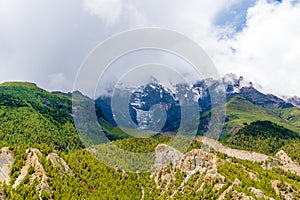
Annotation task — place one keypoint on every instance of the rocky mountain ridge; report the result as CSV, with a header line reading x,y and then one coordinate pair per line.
x,y
202,167
32,169
56,166
293,100
203,96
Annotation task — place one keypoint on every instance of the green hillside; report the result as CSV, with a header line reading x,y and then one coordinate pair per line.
x,y
30,115
37,127
91,179
240,111
264,137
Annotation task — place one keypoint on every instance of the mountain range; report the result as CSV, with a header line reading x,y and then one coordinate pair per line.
x,y
243,104
44,155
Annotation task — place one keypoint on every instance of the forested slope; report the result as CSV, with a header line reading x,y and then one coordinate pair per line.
x,y
46,159
30,115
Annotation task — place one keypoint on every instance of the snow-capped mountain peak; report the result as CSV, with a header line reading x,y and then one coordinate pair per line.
x,y
293,100
234,84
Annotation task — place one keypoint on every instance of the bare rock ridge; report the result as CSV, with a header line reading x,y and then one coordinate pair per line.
x,y
169,160
176,173
259,194
166,154
60,163
201,166
236,182
287,163
32,160
37,173
283,189
6,162
32,168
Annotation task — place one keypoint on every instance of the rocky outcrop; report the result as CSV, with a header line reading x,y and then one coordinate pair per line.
x,y
236,182
166,159
287,163
253,176
285,190
6,162
259,194
59,163
201,166
35,170
32,168
169,160
201,161
166,155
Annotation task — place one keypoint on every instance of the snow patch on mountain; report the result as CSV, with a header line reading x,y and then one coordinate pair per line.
x,y
234,83
293,100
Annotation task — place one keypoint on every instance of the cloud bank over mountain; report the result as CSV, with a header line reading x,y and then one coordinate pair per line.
x,y
46,42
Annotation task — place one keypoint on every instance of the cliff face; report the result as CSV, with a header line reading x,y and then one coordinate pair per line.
x,y
170,161
199,170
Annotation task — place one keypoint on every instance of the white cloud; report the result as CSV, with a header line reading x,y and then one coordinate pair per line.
x,y
107,10
39,38
57,81
267,50
42,38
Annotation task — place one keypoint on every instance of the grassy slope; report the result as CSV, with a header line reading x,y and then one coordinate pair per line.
x,y
240,111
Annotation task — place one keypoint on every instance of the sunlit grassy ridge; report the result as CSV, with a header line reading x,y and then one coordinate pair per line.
x,y
240,111
22,84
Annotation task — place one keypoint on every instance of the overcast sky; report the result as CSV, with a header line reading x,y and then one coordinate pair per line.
x,y
47,41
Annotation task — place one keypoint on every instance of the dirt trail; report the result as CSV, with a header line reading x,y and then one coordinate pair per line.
x,y
240,154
